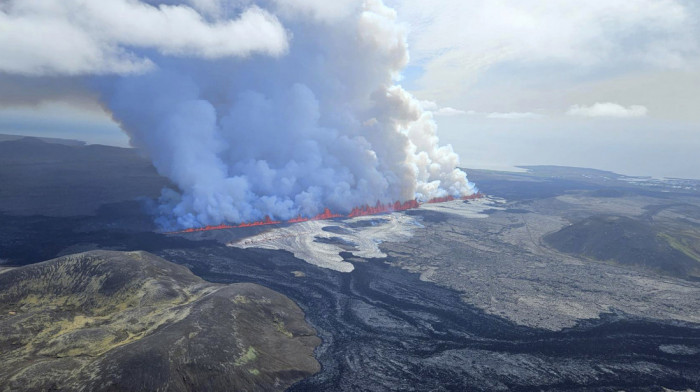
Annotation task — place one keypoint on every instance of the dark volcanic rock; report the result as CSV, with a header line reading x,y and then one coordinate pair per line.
x,y
623,240
103,321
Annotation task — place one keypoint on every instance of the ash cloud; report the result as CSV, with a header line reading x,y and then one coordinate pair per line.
x,y
265,128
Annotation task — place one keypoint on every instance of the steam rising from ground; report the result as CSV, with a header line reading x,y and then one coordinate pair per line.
x,y
283,134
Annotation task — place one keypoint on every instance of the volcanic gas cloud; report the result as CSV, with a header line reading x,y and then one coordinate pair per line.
x,y
292,109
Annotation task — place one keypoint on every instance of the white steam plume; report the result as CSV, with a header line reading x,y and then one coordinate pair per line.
x,y
322,125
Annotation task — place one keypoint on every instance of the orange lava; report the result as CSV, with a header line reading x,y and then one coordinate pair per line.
x,y
441,199
298,219
265,222
382,208
205,228
379,208
327,214
474,196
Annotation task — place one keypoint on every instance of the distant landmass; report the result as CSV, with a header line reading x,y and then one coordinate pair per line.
x,y
65,142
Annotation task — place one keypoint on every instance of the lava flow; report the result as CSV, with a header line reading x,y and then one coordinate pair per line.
x,y
379,208
265,222
382,208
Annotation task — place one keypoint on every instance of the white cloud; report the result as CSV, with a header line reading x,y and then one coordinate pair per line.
x,y
448,111
429,105
608,109
72,37
437,110
514,115
459,40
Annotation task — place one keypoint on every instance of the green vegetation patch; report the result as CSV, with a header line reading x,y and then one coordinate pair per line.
x,y
249,356
686,245
281,328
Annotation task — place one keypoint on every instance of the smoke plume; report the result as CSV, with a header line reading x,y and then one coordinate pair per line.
x,y
275,108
